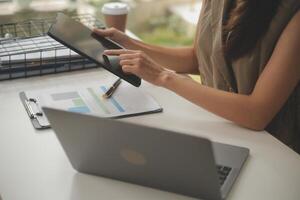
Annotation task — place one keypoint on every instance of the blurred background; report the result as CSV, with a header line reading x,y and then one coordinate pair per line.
x,y
162,22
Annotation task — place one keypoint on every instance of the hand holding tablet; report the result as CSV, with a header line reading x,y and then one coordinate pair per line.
x,y
85,42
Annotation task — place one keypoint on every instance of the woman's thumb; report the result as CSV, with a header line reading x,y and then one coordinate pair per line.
x,y
103,32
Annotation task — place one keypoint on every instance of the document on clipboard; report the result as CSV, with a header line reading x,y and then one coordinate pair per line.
x,y
126,101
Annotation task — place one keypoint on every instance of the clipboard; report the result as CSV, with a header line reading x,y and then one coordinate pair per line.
x,y
128,101
34,111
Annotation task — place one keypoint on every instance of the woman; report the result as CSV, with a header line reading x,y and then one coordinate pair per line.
x,y
247,53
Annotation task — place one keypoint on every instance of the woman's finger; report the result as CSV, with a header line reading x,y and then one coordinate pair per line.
x,y
129,56
116,52
129,69
104,32
129,61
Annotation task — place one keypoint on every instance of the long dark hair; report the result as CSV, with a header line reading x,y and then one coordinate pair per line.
x,y
248,21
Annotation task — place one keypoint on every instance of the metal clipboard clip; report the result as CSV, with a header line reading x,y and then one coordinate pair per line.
x,y
34,112
29,109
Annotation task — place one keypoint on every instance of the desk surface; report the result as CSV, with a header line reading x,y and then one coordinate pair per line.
x,y
33,165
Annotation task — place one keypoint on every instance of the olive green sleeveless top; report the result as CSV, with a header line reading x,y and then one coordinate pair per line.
x,y
241,75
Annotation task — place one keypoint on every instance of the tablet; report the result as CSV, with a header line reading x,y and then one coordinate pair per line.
x,y
83,41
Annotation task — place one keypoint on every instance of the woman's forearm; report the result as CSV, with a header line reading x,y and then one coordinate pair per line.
x,y
238,108
272,90
181,60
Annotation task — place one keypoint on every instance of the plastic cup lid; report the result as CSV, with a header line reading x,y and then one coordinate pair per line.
x,y
115,8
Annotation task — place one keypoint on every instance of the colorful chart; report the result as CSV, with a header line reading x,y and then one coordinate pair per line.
x,y
87,101
78,104
125,101
103,103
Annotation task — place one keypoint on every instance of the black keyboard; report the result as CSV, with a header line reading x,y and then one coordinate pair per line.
x,y
223,173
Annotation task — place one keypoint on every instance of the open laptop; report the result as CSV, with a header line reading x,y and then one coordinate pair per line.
x,y
156,158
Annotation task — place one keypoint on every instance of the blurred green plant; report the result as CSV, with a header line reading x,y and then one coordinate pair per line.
x,y
100,3
165,37
166,30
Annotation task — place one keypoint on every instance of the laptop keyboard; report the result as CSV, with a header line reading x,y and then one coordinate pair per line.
x,y
223,173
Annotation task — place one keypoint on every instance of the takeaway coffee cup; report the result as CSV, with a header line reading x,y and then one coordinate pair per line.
x,y
115,15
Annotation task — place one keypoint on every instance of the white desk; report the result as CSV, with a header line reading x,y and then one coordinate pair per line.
x,y
33,165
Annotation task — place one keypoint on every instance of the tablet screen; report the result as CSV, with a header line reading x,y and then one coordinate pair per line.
x,y
82,40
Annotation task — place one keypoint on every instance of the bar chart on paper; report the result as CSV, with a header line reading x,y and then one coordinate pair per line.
x,y
73,101
126,101
108,106
89,100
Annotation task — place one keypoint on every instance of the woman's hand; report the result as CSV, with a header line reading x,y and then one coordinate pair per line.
x,y
138,63
114,35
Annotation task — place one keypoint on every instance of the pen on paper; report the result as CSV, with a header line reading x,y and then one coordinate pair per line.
x,y
112,89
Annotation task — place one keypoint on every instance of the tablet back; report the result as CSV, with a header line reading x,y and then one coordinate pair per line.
x,y
83,41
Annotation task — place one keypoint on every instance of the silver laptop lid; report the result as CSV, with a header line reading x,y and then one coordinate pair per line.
x,y
142,155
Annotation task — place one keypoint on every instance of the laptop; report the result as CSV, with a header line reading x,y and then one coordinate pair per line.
x,y
156,158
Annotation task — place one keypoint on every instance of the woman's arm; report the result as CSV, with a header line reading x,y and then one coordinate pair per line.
x,y
274,86
254,111
181,60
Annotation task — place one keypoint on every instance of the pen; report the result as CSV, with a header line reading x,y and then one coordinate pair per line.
x,y
112,89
